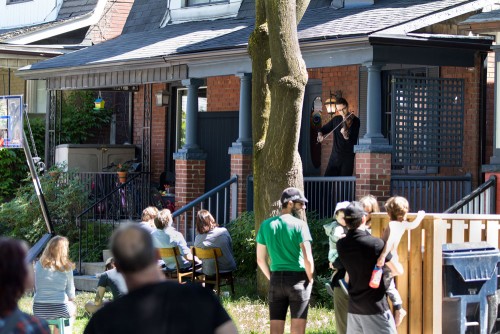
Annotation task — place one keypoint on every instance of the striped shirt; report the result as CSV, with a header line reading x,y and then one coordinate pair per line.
x,y
53,286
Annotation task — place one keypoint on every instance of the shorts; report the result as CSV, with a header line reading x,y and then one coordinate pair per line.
x,y
289,288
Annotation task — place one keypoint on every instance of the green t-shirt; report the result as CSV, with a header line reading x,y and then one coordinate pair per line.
x,y
282,236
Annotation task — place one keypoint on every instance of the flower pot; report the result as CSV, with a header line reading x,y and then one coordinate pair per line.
x,y
122,176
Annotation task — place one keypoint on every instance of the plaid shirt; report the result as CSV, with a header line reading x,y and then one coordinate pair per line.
x,y
28,324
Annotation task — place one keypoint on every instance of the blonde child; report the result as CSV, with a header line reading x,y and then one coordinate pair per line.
x,y
397,208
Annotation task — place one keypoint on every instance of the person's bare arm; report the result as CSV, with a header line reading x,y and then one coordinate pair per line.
x,y
417,221
308,259
99,295
226,328
262,260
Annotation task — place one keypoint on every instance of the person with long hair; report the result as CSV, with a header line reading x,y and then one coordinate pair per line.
x,y
16,276
210,235
54,285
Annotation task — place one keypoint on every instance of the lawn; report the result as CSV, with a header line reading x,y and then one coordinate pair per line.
x,y
248,311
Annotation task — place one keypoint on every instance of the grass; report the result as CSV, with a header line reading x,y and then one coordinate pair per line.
x,y
250,313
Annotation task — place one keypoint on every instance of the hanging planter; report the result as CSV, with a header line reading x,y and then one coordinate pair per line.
x,y
122,176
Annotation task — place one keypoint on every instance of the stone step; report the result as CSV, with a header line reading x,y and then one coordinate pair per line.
x,y
92,268
86,283
106,254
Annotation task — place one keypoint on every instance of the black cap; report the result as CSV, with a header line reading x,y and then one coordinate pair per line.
x,y
354,210
292,194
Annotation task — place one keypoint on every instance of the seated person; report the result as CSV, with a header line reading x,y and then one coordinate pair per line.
x,y
16,276
165,236
109,280
147,218
210,235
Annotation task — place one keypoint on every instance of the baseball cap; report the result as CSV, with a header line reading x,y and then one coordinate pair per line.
x,y
354,210
341,206
292,194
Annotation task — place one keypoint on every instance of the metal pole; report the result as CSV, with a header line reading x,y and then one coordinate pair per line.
x,y
38,187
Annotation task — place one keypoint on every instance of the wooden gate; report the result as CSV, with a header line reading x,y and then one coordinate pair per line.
x,y
420,253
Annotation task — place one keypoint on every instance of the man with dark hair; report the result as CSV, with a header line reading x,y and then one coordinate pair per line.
x,y
345,129
368,310
153,305
287,241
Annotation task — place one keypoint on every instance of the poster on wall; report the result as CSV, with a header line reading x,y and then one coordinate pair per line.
x,y
11,121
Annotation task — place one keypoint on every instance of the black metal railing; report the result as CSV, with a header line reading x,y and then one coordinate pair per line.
x,y
122,203
322,192
220,201
431,193
481,201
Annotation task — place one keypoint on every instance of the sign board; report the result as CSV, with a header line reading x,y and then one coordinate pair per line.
x,y
11,121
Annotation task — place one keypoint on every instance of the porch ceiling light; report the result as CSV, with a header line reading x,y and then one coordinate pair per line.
x,y
162,98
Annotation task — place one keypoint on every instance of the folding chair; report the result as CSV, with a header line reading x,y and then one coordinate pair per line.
x,y
179,272
221,279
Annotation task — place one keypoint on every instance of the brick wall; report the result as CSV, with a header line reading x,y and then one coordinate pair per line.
x,y
344,78
470,155
223,93
241,165
112,22
373,173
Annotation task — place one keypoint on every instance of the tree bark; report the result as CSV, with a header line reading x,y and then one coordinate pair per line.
x,y
279,77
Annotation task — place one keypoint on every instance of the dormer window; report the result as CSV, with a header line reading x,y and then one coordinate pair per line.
x,y
191,3
198,10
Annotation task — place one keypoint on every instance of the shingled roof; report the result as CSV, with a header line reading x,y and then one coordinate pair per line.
x,y
70,10
491,16
317,24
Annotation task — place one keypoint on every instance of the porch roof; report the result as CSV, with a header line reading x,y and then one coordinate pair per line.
x,y
177,44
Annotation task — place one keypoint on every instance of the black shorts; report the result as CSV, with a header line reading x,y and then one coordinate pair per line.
x,y
289,288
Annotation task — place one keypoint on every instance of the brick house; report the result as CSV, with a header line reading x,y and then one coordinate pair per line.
x,y
416,83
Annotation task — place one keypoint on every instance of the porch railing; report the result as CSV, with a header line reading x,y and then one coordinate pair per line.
x,y
123,202
431,193
220,201
481,201
322,192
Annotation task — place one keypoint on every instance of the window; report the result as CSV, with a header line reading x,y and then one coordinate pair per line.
x,y
191,3
182,112
11,2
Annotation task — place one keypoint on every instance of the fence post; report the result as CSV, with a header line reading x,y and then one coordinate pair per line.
x,y
234,199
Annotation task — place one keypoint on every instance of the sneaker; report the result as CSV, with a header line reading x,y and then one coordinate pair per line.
x,y
343,285
329,289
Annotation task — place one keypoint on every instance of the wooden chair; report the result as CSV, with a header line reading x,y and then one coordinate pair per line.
x,y
221,279
179,272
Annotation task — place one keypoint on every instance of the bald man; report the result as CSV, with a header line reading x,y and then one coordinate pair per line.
x,y
154,305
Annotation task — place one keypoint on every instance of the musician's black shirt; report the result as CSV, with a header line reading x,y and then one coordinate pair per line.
x,y
341,145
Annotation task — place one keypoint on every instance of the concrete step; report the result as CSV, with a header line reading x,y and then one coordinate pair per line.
x,y
86,283
92,268
106,254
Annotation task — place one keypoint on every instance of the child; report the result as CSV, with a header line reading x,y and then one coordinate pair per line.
x,y
397,209
335,230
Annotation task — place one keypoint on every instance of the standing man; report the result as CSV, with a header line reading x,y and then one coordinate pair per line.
x,y
152,304
345,129
287,241
368,311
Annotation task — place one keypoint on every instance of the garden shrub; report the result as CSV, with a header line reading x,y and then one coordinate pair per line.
x,y
22,217
242,231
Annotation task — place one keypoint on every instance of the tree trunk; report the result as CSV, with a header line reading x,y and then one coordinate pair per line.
x,y
279,78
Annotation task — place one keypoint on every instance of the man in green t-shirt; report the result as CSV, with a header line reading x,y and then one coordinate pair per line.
x,y
287,241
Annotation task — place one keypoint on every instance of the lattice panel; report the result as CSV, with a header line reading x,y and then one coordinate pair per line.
x,y
427,122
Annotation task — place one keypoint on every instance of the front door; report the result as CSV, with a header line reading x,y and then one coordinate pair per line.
x,y
309,149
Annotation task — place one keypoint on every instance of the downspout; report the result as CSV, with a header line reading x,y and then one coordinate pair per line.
x,y
482,114
8,81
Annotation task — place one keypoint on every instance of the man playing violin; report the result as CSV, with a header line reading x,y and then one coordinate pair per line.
x,y
345,128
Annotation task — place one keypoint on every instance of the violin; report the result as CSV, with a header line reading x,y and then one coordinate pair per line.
x,y
346,124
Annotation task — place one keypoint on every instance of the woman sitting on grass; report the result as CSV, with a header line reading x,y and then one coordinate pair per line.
x,y
54,285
